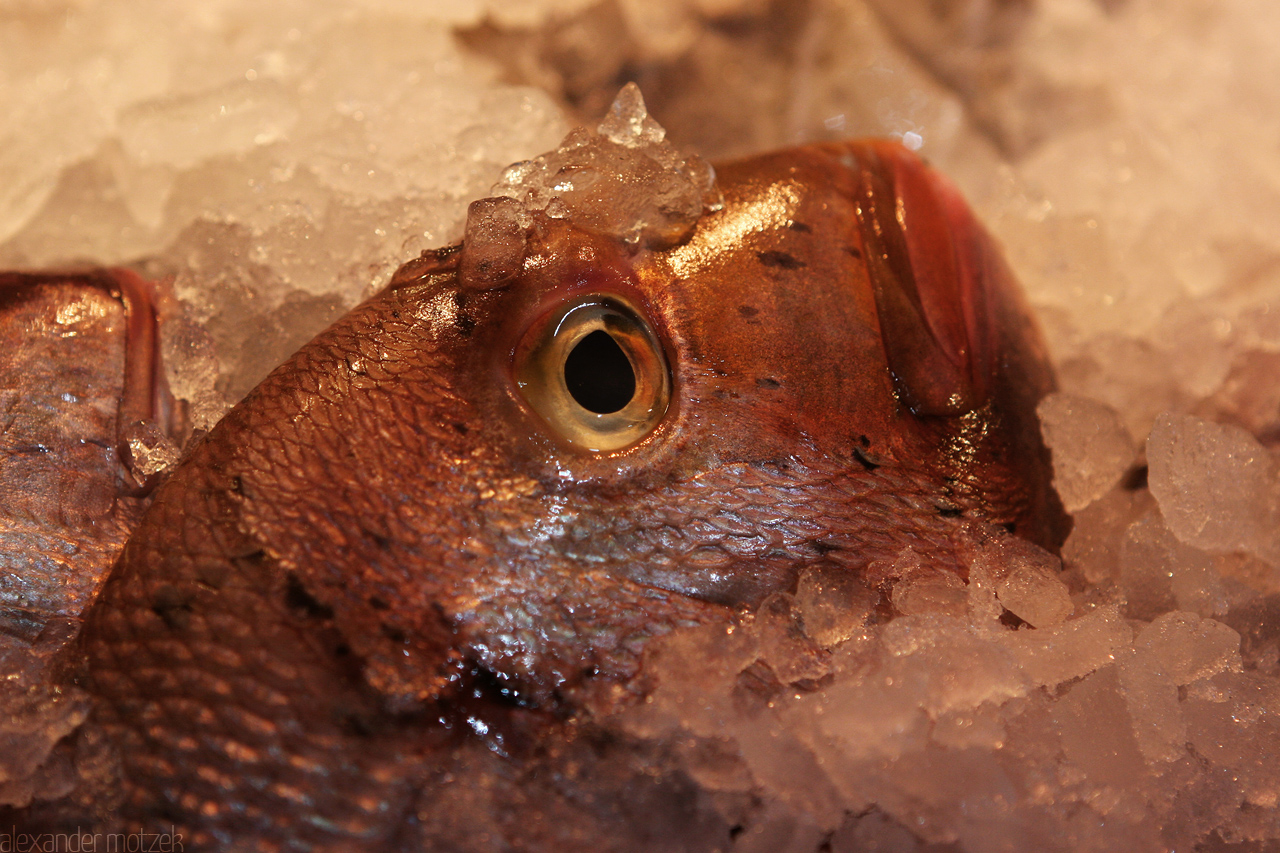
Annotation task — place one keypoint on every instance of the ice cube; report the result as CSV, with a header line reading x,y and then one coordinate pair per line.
x,y
1218,488
1159,573
929,590
624,180
1073,649
1096,730
1023,577
1187,647
833,603
1090,445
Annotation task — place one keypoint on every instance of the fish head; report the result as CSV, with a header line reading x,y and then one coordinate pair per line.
x,y
532,454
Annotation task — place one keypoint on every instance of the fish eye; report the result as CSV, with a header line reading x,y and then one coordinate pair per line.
x,y
595,371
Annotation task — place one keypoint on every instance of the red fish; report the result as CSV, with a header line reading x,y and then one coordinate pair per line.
x,y
460,514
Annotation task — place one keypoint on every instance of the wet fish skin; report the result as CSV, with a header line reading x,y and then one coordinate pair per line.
x,y
384,552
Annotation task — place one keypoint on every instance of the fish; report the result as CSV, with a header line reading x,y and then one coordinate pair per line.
x,y
434,548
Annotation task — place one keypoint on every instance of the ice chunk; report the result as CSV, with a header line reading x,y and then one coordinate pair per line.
x,y
1158,572
783,645
1128,374
1151,698
927,590
1188,648
1034,594
1090,445
624,180
833,604
1218,488
1051,656
1250,395
1233,723
181,131
962,668
151,451
1097,532
629,123
1144,568
1097,731
494,242
697,670
1023,577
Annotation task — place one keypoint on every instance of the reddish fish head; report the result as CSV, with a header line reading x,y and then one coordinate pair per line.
x,y
529,456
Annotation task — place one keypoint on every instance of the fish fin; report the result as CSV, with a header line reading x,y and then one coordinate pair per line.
x,y
929,262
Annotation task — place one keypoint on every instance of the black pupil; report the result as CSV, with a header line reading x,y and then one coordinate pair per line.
x,y
599,374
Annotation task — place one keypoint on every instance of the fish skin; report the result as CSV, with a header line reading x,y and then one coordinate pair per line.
x,y
77,366
383,543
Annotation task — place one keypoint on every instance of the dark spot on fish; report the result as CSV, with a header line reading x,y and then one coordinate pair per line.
x,y
341,650
766,382
297,597
1010,527
28,448
464,322
378,603
590,672
854,251
824,548
460,428
774,258
173,607
15,291
357,724
748,311
736,830
395,314
237,484
394,633
864,441
864,460
441,254
949,511
801,227
211,576
1136,479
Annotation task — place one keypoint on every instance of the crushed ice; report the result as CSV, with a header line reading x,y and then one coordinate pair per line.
x,y
623,180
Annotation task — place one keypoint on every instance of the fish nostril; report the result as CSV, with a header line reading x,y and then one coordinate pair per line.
x,y
599,375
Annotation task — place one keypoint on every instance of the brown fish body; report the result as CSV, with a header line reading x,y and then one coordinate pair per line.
x,y
409,539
